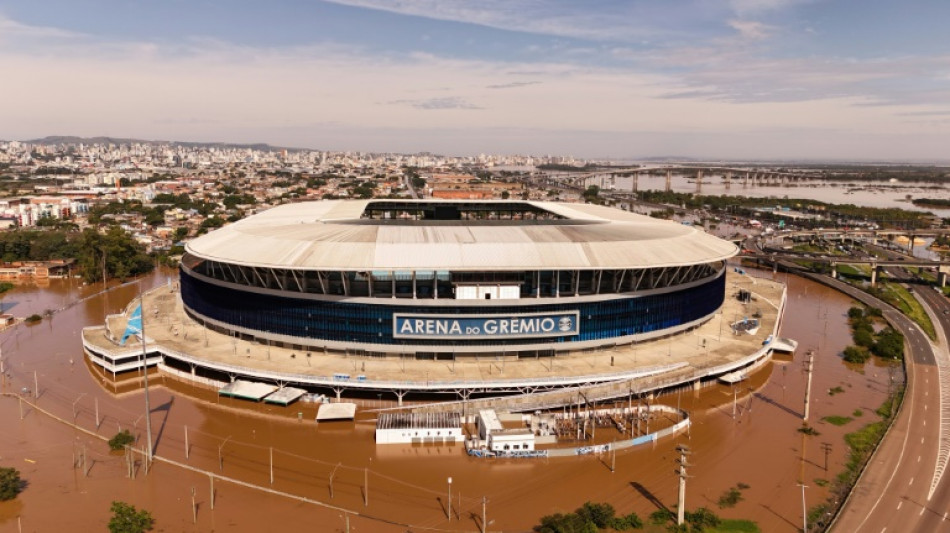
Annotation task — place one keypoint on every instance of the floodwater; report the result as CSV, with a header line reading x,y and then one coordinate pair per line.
x,y
397,488
864,193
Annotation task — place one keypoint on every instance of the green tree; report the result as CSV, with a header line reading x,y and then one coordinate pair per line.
x,y
855,354
592,194
116,252
863,337
181,232
600,514
889,345
10,483
702,519
121,440
127,519
231,201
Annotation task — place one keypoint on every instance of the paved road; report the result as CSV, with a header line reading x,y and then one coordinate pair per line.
x,y
903,489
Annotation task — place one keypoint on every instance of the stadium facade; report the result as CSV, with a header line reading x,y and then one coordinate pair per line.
x,y
444,279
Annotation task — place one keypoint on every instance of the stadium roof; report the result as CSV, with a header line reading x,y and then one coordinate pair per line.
x,y
331,235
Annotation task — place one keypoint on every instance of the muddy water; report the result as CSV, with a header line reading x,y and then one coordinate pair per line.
x,y
759,445
870,194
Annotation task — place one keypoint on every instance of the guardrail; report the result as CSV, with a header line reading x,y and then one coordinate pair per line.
x,y
371,384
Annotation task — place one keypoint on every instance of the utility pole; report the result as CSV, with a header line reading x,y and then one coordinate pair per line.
x,y
681,504
809,370
148,409
826,447
484,504
448,506
804,509
735,398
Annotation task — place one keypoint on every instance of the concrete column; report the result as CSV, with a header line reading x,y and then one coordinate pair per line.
x,y
699,182
633,188
873,274
834,270
669,180
745,182
942,272
728,180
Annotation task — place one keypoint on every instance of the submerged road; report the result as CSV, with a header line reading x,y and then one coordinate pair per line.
x,y
904,487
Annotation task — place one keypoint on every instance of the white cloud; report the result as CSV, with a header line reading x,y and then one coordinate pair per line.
x,y
598,21
341,98
751,29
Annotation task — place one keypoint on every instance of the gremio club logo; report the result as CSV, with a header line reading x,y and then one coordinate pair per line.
x,y
419,326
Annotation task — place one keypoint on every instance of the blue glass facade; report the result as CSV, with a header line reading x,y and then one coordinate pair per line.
x,y
373,323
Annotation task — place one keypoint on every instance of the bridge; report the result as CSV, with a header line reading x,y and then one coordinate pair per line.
x,y
943,267
749,177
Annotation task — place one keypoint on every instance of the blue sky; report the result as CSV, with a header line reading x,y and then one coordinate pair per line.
x,y
730,79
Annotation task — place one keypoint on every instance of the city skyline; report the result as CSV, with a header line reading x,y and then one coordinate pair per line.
x,y
740,79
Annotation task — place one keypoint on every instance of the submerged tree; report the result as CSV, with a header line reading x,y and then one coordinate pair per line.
x,y
127,519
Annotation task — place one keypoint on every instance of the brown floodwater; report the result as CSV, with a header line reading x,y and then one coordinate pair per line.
x,y
395,487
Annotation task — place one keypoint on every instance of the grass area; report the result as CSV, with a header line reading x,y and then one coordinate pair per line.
x,y
809,249
837,420
860,445
857,413
899,297
735,526
863,441
835,390
855,271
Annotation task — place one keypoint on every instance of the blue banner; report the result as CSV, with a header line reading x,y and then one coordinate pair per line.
x,y
134,326
507,326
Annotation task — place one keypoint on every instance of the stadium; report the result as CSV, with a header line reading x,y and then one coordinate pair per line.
x,y
463,298
440,279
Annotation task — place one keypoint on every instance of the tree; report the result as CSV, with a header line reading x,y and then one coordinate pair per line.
x,y
855,354
116,252
181,232
121,440
863,337
10,483
702,518
601,514
592,194
127,519
233,200
889,345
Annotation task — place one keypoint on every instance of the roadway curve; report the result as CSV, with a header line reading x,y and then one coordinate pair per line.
x,y
900,490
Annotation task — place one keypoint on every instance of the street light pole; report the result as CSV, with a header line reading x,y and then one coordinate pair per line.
x,y
448,507
220,453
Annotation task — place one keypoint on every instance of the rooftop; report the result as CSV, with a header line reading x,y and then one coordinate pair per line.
x,y
470,235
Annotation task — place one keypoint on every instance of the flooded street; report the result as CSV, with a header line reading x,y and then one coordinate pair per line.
x,y
345,476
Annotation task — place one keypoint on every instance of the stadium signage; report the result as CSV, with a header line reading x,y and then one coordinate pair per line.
x,y
507,326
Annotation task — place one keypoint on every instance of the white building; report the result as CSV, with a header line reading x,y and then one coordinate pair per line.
x,y
497,438
418,428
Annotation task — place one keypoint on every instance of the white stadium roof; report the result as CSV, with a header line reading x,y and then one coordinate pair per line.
x,y
330,235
